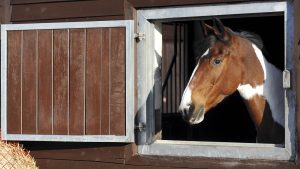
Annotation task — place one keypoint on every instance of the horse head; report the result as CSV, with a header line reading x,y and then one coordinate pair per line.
x,y
219,71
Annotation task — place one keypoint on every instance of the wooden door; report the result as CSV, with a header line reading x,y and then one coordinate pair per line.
x,y
68,81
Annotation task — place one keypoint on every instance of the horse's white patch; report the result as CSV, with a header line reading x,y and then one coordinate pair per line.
x,y
261,59
248,92
272,89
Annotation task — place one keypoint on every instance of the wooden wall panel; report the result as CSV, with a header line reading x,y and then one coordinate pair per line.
x,y
77,81
117,73
66,9
61,81
29,82
159,3
105,83
14,82
73,81
93,81
45,63
67,81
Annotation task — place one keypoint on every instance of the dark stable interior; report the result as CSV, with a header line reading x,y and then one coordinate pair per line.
x,y
228,121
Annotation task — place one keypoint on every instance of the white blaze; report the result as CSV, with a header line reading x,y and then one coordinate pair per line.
x,y
186,99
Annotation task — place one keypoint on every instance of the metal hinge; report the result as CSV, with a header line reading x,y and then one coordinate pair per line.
x,y
286,79
140,126
139,36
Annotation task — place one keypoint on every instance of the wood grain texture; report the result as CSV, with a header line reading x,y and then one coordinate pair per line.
x,y
14,82
66,9
45,81
117,82
105,81
77,81
96,152
61,80
160,3
93,81
29,82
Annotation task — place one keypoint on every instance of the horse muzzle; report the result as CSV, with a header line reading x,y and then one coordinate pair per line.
x,y
190,115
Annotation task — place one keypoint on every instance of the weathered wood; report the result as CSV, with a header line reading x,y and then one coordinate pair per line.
x,y
61,82
93,81
45,81
19,2
14,82
159,3
29,82
66,9
117,82
62,164
212,163
94,152
98,18
77,81
105,81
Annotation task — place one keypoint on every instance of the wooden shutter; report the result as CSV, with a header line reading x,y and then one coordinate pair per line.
x,y
68,82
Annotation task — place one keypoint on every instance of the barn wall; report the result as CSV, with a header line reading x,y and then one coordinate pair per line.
x,y
103,155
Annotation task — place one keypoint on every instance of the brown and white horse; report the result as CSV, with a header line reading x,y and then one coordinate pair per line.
x,y
234,61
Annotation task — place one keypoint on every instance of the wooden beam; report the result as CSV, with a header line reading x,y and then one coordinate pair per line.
x,y
68,9
5,11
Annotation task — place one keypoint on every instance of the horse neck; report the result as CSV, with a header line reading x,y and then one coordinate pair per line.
x,y
270,93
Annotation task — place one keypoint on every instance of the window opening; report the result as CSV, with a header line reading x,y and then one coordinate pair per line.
x,y
229,121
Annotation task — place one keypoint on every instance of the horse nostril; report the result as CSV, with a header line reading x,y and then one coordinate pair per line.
x,y
185,112
191,108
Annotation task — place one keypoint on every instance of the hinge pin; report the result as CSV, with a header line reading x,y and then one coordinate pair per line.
x,y
140,126
286,79
139,36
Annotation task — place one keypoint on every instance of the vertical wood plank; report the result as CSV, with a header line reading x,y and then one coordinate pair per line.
x,y
45,82
93,82
14,82
105,81
29,82
61,80
117,91
77,81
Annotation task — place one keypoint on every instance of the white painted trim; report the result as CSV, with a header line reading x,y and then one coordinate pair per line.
x,y
212,149
66,25
213,10
68,138
215,150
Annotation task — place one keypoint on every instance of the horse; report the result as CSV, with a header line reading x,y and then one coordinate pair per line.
x,y
234,61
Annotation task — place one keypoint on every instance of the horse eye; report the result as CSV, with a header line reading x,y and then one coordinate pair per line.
x,y
217,61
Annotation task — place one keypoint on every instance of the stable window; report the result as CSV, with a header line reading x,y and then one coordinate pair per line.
x,y
168,61
67,81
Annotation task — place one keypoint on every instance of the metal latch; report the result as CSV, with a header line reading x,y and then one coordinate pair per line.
x,y
140,126
286,79
139,36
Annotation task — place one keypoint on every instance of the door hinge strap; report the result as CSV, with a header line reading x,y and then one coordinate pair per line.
x,y
140,126
139,36
286,79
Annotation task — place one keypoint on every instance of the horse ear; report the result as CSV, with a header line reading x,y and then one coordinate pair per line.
x,y
218,29
220,32
207,29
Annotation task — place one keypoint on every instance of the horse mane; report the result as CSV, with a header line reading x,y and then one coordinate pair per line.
x,y
202,46
252,37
